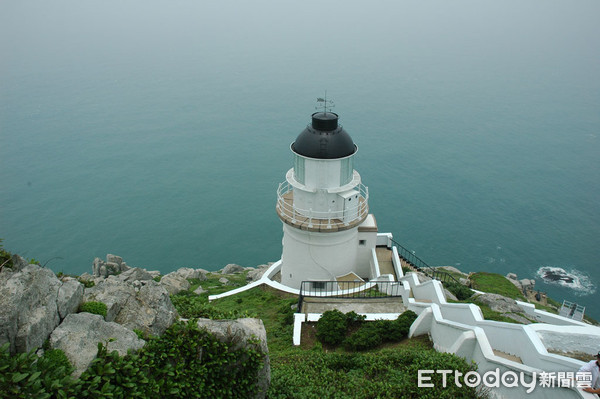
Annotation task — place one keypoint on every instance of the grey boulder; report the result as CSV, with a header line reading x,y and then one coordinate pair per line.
x,y
30,301
79,334
135,274
147,308
232,268
174,283
499,303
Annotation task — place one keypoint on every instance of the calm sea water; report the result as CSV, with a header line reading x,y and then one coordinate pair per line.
x,y
159,132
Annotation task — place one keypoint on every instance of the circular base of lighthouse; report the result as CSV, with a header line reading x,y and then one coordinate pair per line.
x,y
314,256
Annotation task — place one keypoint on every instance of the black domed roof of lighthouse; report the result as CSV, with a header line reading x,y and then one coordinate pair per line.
x,y
324,138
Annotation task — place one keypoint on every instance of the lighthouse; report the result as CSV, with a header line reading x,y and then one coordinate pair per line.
x,y
328,233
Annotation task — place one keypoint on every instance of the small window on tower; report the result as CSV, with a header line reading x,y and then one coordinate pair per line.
x,y
362,242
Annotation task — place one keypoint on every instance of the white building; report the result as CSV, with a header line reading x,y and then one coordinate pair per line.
x,y
327,229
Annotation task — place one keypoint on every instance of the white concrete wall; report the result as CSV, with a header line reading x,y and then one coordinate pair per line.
x,y
472,342
397,263
546,317
317,256
364,255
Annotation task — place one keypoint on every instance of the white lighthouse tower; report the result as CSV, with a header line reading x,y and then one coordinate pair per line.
x,y
327,230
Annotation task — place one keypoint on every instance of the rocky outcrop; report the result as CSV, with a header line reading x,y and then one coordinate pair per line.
x,y
174,283
113,293
499,303
113,265
256,274
224,281
143,305
188,272
135,274
232,268
32,303
150,311
79,334
70,296
449,295
199,290
239,334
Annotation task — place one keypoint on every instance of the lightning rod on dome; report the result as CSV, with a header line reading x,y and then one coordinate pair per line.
x,y
325,103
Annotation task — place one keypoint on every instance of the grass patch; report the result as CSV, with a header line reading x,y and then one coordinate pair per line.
x,y
272,306
214,286
496,284
385,373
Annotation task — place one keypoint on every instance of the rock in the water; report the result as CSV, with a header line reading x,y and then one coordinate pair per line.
x,y
238,334
174,283
232,268
499,303
78,336
511,276
28,307
70,296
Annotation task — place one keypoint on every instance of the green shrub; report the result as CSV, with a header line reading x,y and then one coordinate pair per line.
x,y
94,307
405,320
461,292
25,375
367,337
190,305
185,362
331,327
58,358
388,373
87,283
353,318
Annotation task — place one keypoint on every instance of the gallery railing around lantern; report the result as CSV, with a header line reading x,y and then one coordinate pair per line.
x,y
350,216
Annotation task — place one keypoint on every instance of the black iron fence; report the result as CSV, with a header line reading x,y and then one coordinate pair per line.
x,y
348,290
416,262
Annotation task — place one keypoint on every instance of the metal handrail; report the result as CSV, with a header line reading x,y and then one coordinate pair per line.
x,y
333,217
348,289
421,266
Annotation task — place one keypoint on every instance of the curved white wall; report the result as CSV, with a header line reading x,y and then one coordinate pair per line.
x,y
316,256
323,173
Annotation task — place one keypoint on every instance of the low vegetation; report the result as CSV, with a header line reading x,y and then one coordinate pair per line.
x,y
496,284
185,362
94,307
461,292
